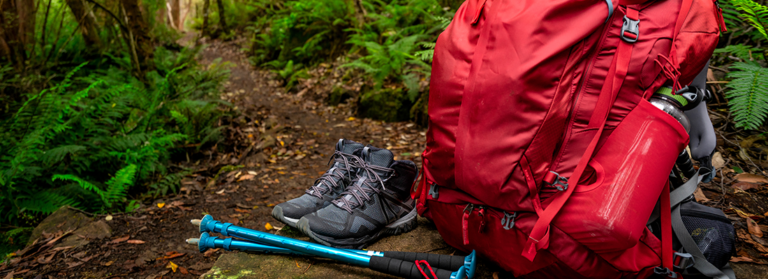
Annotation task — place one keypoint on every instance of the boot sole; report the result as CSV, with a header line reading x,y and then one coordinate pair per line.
x,y
277,213
403,225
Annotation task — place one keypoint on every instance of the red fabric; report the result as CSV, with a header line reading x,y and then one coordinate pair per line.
x,y
516,92
667,252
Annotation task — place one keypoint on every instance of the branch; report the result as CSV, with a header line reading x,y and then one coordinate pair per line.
x,y
120,22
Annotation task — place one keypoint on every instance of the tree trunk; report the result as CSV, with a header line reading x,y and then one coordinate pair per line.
x,y
87,25
186,13
12,45
222,18
26,10
176,14
139,33
206,7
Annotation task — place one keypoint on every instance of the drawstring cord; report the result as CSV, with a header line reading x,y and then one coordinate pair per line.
x,y
670,71
418,264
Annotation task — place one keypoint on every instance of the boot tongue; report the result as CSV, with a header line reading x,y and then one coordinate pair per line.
x,y
348,146
377,157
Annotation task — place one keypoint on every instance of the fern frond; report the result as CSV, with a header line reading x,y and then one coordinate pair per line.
x,y
168,183
56,154
748,95
45,202
118,185
754,13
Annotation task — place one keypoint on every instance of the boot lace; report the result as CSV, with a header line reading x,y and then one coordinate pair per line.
x,y
330,178
362,187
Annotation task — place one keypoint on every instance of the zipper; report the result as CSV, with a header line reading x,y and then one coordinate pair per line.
x,y
465,223
570,120
706,215
719,16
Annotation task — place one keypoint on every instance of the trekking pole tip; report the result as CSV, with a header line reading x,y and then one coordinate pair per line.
x,y
193,241
196,222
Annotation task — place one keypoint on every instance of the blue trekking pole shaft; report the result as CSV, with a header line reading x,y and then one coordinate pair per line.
x,y
206,242
382,264
448,262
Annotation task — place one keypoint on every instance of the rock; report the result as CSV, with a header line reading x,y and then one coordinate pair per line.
x,y
64,219
425,238
93,230
750,271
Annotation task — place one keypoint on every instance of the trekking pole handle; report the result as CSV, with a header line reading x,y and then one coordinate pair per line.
x,y
441,261
408,269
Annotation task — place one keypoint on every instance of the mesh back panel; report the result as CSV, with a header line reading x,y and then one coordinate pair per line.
x,y
715,238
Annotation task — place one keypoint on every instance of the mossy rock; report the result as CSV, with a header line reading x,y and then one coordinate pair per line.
x,y
385,104
64,219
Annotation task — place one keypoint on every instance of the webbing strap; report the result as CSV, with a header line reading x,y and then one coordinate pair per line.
x,y
667,252
539,237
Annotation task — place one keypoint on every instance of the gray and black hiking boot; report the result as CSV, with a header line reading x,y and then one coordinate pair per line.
x,y
326,188
376,204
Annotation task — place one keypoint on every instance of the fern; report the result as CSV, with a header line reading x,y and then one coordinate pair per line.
x,y
743,52
753,13
44,202
748,95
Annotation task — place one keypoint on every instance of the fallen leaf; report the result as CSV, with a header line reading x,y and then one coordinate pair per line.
x,y
183,270
754,229
351,119
108,263
268,226
717,161
252,173
245,177
699,196
108,218
744,186
741,259
210,252
271,205
119,239
171,255
160,204
136,241
744,236
496,275
242,210
743,214
751,178
172,266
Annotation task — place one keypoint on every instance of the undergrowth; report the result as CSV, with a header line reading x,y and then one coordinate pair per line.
x,y
100,133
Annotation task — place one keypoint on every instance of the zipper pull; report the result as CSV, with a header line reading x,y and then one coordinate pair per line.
x,y
719,16
482,219
465,223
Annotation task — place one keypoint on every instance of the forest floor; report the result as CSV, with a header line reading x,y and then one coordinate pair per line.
x,y
283,145
276,147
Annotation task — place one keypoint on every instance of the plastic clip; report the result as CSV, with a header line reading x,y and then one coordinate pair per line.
x,y
683,261
630,30
433,191
660,270
561,183
508,221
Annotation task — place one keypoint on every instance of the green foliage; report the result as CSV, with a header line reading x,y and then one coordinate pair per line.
x,y
748,97
99,134
13,240
753,13
387,61
743,52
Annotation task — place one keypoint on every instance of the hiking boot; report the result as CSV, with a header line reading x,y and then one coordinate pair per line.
x,y
326,188
376,204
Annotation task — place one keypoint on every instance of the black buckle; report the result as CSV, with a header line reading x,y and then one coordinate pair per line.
x,y
508,221
659,270
683,261
630,27
561,183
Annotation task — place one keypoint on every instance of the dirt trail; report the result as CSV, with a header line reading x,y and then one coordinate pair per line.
x,y
281,141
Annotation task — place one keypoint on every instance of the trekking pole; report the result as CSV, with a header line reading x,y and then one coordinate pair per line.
x,y
447,262
386,265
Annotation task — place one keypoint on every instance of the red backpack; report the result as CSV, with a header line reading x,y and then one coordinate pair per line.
x,y
543,153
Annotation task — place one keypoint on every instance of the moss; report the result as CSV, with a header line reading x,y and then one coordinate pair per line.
x,y
386,104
